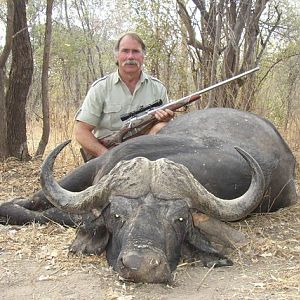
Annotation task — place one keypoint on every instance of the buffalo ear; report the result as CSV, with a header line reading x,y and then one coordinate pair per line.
x,y
92,237
218,231
200,248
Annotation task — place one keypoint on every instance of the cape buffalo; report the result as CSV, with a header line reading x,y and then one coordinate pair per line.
x,y
142,200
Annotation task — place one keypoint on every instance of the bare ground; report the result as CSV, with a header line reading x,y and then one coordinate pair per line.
x,y
35,263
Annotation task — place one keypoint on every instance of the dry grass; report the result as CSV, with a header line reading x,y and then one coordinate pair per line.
x,y
275,239
48,243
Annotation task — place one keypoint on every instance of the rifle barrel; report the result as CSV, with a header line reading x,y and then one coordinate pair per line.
x,y
196,95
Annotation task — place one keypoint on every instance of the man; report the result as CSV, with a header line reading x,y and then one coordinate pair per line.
x,y
120,92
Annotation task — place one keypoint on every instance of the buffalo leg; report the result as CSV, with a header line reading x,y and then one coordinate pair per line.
x,y
15,214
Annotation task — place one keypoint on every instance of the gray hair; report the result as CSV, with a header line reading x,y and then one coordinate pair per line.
x,y
133,35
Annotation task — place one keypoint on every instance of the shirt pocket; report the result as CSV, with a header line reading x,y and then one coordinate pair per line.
x,y
112,114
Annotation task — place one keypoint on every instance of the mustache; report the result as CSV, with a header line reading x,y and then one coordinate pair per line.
x,y
131,62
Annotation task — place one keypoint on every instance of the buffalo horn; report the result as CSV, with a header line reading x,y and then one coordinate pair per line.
x,y
221,209
73,202
163,178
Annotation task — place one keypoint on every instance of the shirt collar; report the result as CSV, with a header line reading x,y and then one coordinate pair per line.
x,y
144,77
117,78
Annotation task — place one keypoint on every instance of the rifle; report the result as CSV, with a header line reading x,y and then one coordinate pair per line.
x,y
138,123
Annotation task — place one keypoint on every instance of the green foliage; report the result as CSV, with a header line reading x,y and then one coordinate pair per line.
x,y
81,49
278,96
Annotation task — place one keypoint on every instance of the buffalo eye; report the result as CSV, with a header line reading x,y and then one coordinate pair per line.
x,y
180,219
117,216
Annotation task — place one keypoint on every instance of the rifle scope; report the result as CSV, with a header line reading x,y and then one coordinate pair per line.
x,y
141,109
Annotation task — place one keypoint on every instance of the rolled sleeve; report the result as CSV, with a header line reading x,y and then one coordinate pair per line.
x,y
164,96
87,117
91,108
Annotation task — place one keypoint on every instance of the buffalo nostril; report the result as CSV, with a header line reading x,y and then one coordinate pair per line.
x,y
154,262
131,261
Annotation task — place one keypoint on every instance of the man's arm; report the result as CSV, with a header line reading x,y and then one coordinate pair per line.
x,y
84,136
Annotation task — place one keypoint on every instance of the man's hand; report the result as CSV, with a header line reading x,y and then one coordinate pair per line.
x,y
164,115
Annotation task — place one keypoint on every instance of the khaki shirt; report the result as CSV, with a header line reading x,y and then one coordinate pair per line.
x,y
109,98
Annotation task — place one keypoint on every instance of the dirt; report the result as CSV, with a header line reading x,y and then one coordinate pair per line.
x,y
35,262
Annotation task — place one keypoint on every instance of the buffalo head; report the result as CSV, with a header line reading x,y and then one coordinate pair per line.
x,y
142,214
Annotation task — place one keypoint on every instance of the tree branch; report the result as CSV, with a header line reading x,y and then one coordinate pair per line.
x,y
278,61
9,34
264,43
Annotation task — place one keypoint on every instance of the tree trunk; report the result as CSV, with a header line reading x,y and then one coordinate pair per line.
x,y
216,55
45,85
19,82
227,46
3,59
3,128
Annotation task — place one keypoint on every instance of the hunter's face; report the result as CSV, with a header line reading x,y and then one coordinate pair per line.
x,y
130,56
